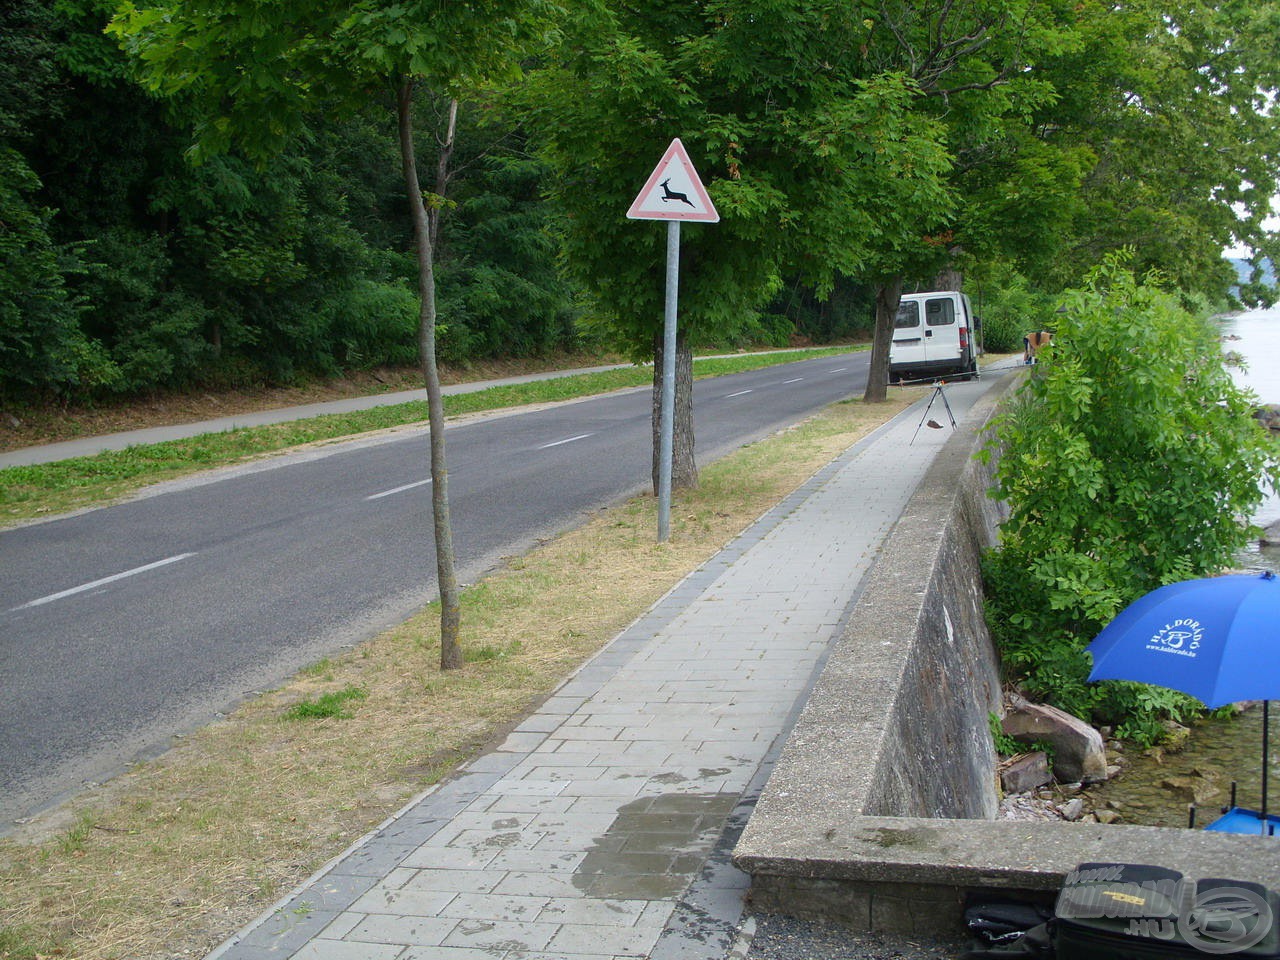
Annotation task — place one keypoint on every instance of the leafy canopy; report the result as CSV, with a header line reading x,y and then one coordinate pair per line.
x,y
810,159
261,70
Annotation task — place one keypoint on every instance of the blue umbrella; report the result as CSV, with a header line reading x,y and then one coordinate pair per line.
x,y
1217,639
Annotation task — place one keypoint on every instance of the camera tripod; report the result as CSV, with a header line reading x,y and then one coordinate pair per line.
x,y
937,394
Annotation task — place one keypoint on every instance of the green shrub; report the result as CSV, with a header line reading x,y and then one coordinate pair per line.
x,y
1009,310
1127,460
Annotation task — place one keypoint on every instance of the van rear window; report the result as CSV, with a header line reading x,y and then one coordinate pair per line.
x,y
938,313
908,315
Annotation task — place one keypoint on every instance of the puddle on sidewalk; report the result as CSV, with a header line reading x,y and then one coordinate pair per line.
x,y
655,846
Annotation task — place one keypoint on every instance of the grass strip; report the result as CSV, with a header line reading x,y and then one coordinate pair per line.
x,y
180,853
27,492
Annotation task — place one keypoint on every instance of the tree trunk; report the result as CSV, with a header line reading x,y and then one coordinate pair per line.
x,y
887,296
949,278
450,608
684,470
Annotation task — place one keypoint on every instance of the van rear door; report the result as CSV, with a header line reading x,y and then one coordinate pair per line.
x,y
908,336
941,335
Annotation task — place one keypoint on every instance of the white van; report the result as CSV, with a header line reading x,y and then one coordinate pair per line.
x,y
934,336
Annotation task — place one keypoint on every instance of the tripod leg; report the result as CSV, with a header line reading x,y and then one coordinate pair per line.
x,y
946,404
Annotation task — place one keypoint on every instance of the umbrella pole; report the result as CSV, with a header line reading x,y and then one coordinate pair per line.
x,y
1266,730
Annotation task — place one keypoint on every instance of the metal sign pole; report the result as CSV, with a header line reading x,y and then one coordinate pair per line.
x,y
668,414
673,193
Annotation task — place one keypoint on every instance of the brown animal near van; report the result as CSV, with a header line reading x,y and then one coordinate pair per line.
x,y
1032,342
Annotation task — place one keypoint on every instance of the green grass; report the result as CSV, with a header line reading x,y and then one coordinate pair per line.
x,y
332,705
45,489
17,944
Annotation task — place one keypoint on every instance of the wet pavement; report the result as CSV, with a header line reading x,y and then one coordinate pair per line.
x,y
603,826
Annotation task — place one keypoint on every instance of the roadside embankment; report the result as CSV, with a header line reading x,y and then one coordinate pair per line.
x,y
879,811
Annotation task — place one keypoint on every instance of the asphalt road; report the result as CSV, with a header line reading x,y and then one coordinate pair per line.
x,y
124,626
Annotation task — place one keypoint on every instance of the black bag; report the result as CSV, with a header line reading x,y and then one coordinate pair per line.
x,y
1008,928
1036,942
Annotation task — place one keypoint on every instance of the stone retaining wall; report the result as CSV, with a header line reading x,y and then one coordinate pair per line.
x,y
879,811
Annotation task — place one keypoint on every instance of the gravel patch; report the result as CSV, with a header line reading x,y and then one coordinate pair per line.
x,y
786,938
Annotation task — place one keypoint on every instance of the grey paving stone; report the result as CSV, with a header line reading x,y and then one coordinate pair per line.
x,y
509,803
452,953
594,910
453,881
512,908
285,931
408,903
501,935
634,941
547,860
555,886
562,705
436,856
348,950
405,931
337,891
374,859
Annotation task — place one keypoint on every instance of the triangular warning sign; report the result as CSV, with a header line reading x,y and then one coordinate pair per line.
x,y
674,191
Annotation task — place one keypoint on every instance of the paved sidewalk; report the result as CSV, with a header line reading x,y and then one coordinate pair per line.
x,y
602,827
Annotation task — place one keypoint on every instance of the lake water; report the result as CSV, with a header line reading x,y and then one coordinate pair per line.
x,y
1255,335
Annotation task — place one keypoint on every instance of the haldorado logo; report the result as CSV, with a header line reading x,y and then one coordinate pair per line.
x,y
1182,637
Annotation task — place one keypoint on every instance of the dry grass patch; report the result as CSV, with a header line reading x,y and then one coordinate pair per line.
x,y
183,851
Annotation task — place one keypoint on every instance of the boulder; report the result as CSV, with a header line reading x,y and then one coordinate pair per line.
x,y
1078,751
1073,809
1175,737
1268,414
1191,789
1025,772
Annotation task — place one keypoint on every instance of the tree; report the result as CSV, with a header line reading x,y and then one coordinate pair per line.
x,y
261,72
1077,130
1126,460
1173,102
807,158
42,348
972,67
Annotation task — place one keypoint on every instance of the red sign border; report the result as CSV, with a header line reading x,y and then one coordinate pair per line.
x,y
675,150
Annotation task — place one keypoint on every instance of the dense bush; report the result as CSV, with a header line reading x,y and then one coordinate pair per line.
x,y
124,269
1010,309
1127,461
848,312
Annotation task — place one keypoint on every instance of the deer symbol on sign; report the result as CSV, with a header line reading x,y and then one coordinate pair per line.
x,y
669,194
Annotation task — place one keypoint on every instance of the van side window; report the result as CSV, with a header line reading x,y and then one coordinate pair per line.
x,y
908,315
938,313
